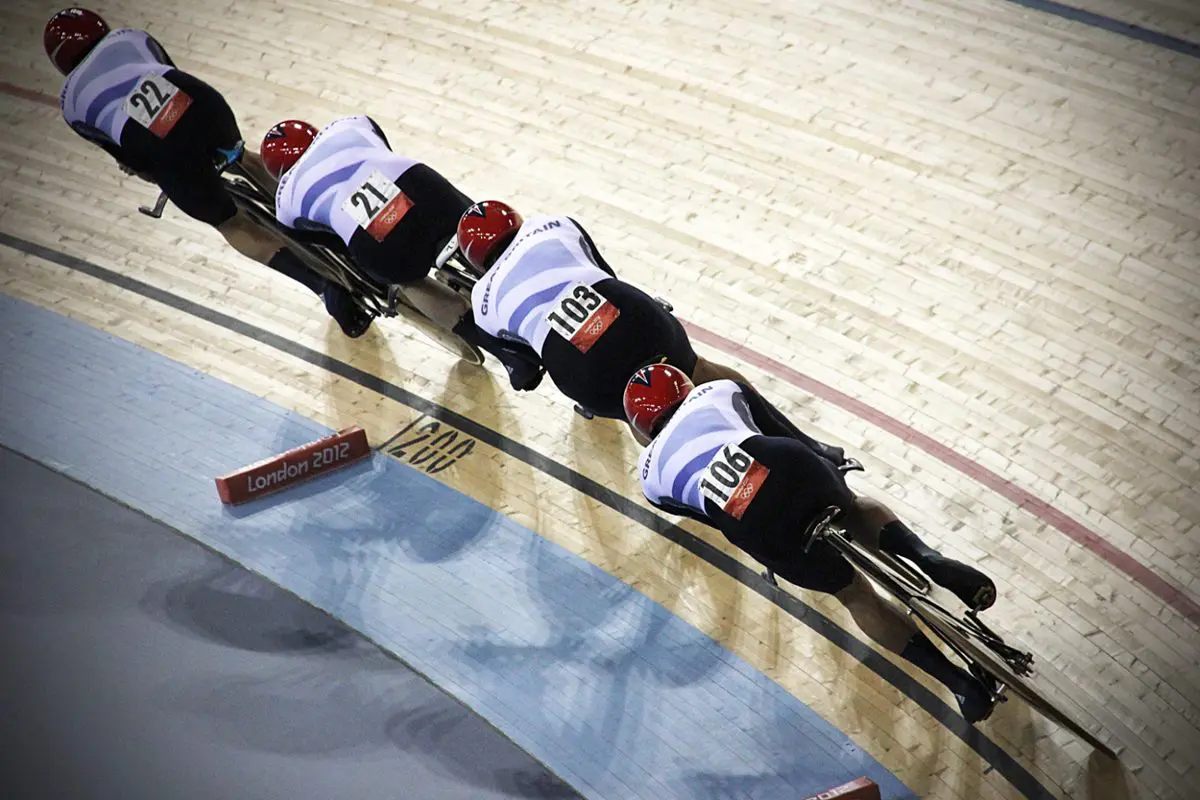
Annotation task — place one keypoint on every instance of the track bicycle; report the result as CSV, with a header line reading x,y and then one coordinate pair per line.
x,y
327,255
998,665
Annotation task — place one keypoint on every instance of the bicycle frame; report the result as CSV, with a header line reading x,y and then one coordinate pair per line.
x,y
905,584
874,567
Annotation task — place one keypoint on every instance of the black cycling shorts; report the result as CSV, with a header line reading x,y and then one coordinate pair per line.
x,y
408,251
644,333
182,163
797,490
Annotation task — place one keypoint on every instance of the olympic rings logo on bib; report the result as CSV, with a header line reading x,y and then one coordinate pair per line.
x,y
157,104
732,479
581,315
377,206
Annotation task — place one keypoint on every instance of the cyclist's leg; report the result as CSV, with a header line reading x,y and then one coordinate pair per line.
x,y
874,525
406,254
439,303
799,486
886,623
255,241
706,371
252,163
194,186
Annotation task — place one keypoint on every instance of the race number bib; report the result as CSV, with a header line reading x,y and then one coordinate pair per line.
x,y
581,315
157,104
377,206
732,479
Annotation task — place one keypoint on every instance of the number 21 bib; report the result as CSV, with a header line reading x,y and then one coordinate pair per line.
x,y
581,315
157,104
377,206
732,479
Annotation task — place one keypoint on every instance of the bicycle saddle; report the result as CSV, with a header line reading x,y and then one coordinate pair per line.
x,y
818,525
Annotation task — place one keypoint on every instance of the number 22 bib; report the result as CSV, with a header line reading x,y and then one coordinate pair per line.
x,y
732,479
581,315
157,104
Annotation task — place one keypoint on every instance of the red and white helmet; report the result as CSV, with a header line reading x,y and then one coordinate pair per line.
x,y
651,393
70,35
484,230
284,144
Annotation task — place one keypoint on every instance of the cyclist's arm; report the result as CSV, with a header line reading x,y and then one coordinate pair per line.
x,y
107,145
159,51
379,131
772,422
679,509
315,233
590,248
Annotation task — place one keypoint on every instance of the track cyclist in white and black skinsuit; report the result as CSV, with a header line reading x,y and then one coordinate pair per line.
x,y
124,94
393,213
546,287
721,454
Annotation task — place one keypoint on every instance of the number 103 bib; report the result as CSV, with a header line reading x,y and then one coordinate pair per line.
x,y
581,315
732,479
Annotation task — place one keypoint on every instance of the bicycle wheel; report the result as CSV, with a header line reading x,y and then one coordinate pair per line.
x,y
455,274
443,338
971,643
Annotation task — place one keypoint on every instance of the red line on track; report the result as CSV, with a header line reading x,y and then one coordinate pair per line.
x,y
28,94
1074,530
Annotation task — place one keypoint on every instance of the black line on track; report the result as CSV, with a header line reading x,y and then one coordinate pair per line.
x,y
992,753
1128,29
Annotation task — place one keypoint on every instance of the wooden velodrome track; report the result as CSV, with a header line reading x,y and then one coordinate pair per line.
x,y
979,222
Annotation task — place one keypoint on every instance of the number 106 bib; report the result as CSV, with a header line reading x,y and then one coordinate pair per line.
x,y
732,479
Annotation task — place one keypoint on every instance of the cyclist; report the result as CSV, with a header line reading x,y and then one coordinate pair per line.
x,y
545,286
124,94
393,213
721,454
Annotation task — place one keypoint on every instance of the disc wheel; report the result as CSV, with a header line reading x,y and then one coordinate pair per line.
x,y
438,335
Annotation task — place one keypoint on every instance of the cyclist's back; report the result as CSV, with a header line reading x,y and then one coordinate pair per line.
x,y
124,94
548,254
128,97
392,212
545,285
711,460
93,97
721,454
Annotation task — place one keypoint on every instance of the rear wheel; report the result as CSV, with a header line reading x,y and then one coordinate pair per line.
x,y
456,275
443,338
973,643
